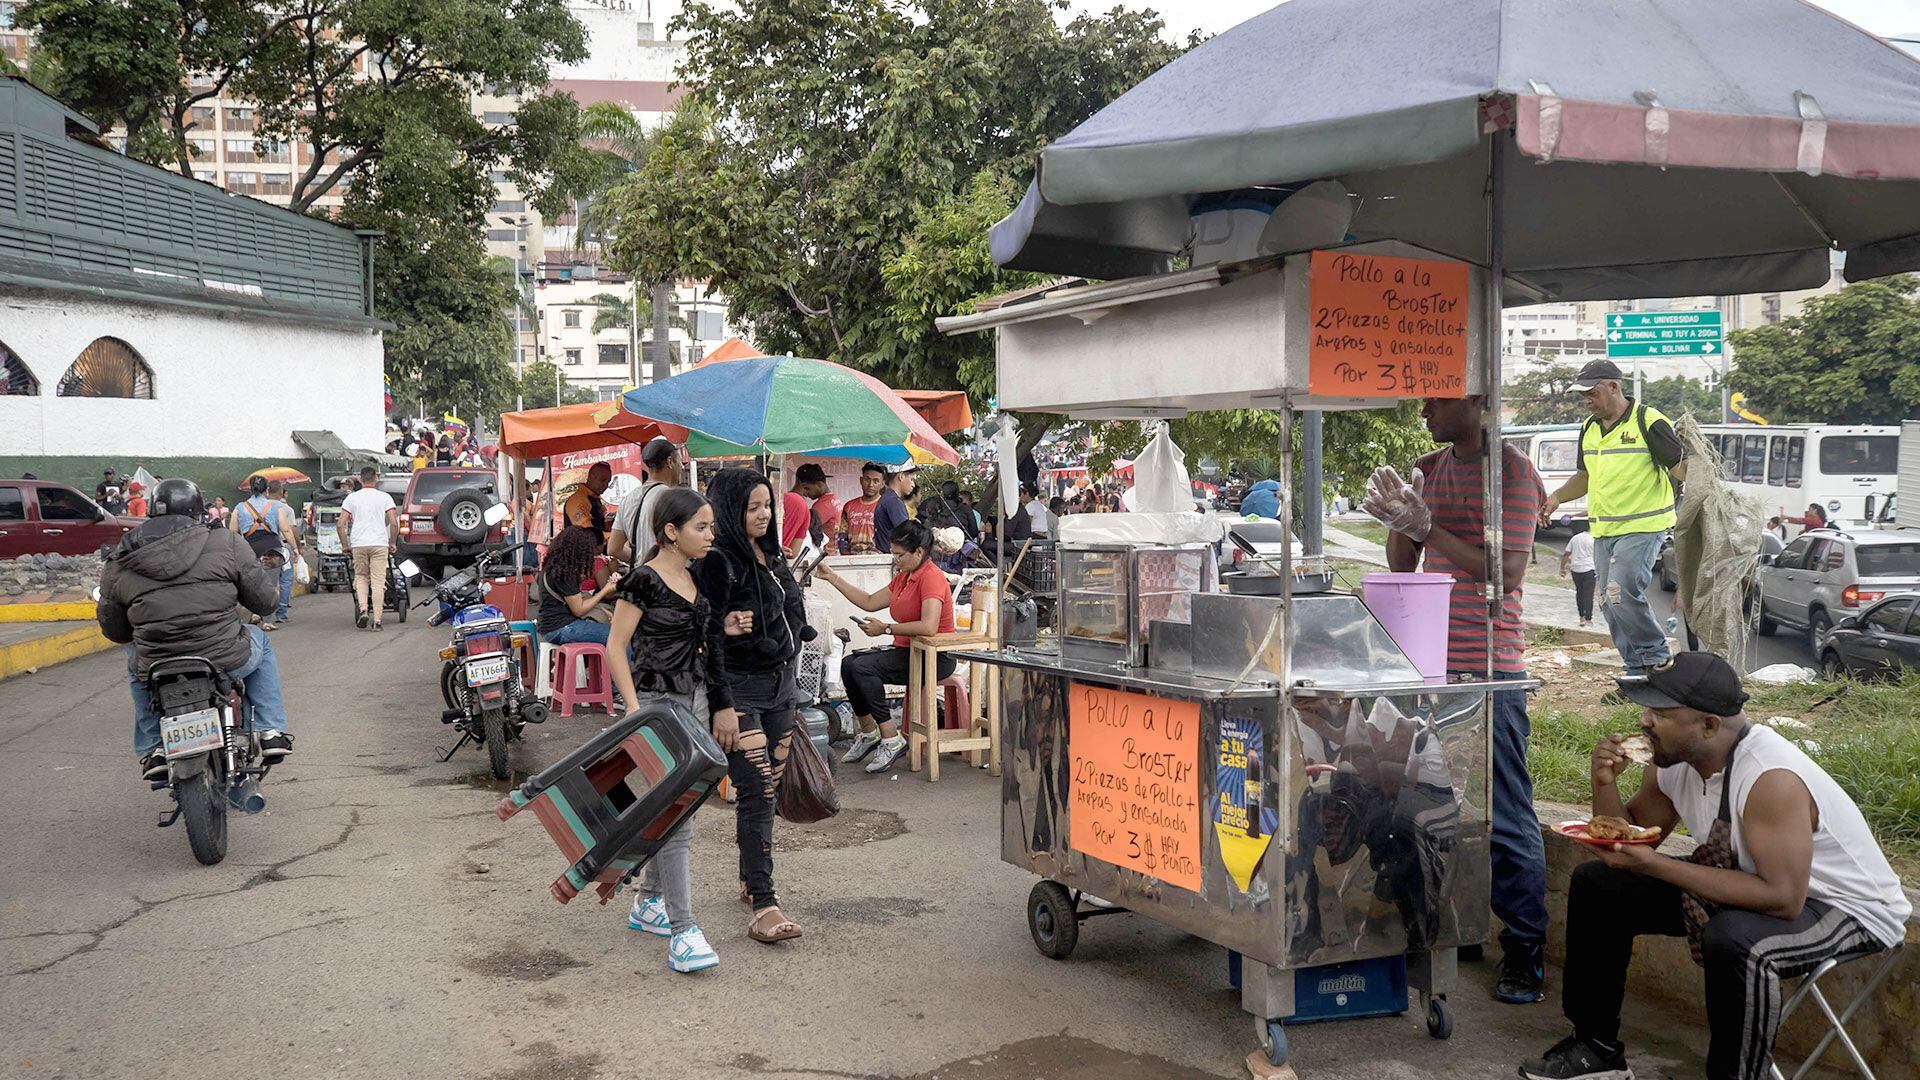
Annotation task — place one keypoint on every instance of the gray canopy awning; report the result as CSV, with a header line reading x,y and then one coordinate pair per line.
x,y
324,444
1648,147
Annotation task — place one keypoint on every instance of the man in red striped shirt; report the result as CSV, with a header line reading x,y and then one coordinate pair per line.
x,y
1442,516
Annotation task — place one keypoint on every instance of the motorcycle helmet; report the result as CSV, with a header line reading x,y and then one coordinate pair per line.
x,y
177,495
257,485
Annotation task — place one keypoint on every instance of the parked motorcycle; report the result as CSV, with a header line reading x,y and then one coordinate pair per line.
x,y
213,753
486,693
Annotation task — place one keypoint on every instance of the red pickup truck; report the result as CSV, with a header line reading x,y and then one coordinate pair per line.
x,y
39,517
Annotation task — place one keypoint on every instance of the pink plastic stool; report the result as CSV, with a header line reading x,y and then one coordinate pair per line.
x,y
561,678
955,711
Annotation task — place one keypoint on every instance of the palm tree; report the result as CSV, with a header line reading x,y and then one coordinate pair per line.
x,y
613,313
627,144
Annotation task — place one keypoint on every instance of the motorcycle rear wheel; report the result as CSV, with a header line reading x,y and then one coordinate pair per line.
x,y
494,724
205,811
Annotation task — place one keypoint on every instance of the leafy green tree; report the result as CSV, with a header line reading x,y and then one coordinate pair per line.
x,y
378,93
1677,394
1850,357
1545,396
539,381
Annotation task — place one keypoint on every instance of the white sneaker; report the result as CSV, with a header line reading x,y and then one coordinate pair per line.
x,y
863,745
688,951
890,752
650,914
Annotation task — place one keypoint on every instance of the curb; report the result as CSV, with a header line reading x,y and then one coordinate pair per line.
x,y
24,656
55,612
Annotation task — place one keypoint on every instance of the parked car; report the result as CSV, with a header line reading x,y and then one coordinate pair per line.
x,y
40,517
1826,575
443,518
1879,641
1666,568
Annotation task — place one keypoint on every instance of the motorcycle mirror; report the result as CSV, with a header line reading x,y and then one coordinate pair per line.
x,y
410,568
96,595
496,514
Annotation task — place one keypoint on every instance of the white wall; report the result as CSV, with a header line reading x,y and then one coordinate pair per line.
x,y
224,385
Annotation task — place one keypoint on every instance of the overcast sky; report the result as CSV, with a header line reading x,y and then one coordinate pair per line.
x,y
1884,17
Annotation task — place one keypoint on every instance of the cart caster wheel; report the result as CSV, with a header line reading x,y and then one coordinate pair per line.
x,y
1050,917
1439,1018
1273,1040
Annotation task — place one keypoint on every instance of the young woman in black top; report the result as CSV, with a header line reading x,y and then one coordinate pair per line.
x,y
749,587
662,613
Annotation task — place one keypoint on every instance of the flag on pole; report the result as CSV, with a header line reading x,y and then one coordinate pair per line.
x,y
454,424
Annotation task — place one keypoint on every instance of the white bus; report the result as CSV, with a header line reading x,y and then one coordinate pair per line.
x,y
1554,450
1850,471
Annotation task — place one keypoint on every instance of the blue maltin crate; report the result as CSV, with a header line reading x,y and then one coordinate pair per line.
x,y
1349,991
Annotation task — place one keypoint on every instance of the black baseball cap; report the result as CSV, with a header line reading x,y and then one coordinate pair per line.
x,y
1594,372
658,451
1688,680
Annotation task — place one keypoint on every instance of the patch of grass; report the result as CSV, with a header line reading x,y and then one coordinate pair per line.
x,y
1366,530
1545,637
1561,751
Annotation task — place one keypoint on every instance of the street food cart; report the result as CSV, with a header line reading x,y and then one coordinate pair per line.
x,y
1263,768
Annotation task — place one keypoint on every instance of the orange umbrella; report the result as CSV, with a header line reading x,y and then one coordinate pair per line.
x,y
277,472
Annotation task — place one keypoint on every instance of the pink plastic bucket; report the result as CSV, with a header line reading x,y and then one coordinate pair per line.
x,y
1413,608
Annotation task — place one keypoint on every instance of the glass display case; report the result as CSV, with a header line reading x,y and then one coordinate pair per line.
x,y
1110,594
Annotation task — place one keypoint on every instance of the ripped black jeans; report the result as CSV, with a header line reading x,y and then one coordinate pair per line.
x,y
755,765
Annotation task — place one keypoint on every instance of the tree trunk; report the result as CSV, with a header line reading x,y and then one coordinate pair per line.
x,y
662,349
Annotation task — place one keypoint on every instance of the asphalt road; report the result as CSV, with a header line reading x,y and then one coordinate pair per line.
x,y
378,921
1786,647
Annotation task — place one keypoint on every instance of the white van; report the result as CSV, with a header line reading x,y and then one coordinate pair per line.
x,y
1848,470
1554,450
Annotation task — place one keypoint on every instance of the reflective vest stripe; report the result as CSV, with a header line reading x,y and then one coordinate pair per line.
x,y
1668,509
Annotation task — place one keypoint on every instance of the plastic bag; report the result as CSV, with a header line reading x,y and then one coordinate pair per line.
x,y
302,574
806,788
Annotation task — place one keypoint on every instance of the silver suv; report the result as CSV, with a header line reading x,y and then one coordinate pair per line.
x,y
1826,575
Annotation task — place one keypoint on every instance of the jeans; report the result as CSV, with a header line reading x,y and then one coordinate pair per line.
x,y
669,874
867,673
1583,593
1519,854
370,570
1747,955
755,771
286,591
1625,568
261,674
577,632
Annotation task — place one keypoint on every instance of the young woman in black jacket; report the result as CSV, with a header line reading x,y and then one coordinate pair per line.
x,y
751,691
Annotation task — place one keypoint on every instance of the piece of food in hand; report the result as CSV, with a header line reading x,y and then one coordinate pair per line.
x,y
1638,748
1606,827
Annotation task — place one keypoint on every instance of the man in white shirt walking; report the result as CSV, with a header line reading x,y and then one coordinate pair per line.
x,y
1787,874
1578,558
370,529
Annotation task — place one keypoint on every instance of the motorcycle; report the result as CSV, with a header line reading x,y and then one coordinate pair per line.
x,y
212,751
487,697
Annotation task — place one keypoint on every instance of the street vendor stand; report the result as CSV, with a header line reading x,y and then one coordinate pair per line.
x,y
1671,151
1269,772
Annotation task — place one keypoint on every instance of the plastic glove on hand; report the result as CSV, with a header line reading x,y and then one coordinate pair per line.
x,y
1397,504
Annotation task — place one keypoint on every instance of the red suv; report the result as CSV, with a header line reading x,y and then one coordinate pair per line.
x,y
39,517
441,518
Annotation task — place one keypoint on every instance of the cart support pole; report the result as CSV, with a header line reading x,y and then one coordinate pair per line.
x,y
1313,484
1490,337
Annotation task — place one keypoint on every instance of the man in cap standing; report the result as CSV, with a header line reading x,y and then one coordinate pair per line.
x,y
1630,470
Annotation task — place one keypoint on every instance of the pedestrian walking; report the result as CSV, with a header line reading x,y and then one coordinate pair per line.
x,y
1578,561
369,527
1630,468
751,688
662,617
1442,515
265,522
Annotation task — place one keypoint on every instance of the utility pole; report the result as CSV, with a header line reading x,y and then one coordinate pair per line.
x,y
1730,318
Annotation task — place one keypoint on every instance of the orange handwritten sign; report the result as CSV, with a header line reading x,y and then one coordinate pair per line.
x,y
1135,796
1386,327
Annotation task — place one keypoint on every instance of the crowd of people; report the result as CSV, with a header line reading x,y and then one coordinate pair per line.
x,y
437,444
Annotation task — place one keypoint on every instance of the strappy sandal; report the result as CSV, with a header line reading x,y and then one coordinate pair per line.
x,y
779,928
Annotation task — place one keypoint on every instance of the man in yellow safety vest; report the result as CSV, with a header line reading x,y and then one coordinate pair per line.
x,y
1630,471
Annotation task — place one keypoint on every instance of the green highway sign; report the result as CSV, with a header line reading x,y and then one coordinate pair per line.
x,y
1664,333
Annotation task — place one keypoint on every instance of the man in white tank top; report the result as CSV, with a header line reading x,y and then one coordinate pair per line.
x,y
1787,875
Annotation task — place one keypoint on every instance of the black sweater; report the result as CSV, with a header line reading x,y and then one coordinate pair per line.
x,y
779,622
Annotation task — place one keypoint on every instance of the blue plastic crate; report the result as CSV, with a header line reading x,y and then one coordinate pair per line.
x,y
1349,991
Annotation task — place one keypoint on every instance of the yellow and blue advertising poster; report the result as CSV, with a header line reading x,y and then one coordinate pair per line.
x,y
1242,818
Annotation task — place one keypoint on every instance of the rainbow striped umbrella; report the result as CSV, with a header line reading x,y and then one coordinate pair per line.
x,y
790,405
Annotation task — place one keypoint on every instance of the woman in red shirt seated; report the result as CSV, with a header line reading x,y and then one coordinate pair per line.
x,y
919,603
